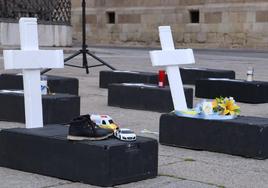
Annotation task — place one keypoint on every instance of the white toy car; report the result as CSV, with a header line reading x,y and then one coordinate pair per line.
x,y
125,135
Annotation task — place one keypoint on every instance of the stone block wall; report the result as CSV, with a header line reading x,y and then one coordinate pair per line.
x,y
49,35
195,23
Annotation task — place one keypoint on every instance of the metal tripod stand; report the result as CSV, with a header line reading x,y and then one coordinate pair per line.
x,y
84,51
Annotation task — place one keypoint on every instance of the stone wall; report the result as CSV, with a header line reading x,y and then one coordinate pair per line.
x,y
195,23
49,35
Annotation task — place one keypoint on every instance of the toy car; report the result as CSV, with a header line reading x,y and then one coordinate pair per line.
x,y
104,121
125,135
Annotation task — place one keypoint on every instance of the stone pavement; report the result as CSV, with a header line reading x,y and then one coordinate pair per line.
x,y
178,167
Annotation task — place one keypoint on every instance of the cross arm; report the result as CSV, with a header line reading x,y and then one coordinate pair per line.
x,y
172,57
33,59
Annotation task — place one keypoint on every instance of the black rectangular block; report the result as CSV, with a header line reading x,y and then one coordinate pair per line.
x,y
144,97
58,108
108,162
56,84
242,91
111,77
243,136
189,76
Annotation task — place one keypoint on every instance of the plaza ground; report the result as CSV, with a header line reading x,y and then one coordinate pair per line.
x,y
177,167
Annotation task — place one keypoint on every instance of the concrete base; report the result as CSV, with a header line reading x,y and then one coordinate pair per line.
x,y
242,91
56,84
144,97
117,76
244,136
188,75
58,108
107,162
49,35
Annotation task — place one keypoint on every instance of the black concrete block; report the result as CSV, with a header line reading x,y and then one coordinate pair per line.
x,y
243,136
59,108
144,97
189,76
242,91
110,77
56,84
108,162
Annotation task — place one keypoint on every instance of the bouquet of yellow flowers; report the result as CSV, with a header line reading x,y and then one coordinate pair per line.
x,y
225,106
220,108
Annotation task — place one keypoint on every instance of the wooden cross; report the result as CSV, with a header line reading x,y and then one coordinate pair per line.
x,y
171,58
31,60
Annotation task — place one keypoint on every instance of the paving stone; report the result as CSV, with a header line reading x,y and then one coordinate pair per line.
x,y
192,184
18,179
223,175
75,185
208,167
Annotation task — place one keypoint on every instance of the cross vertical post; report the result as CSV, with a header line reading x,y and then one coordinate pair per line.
x,y
31,60
171,58
31,77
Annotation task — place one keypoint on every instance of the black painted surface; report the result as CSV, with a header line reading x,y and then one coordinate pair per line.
x,y
189,76
104,163
56,84
58,108
147,97
242,91
243,136
110,77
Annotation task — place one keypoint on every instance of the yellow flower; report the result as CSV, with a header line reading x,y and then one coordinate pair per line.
x,y
214,103
229,107
230,104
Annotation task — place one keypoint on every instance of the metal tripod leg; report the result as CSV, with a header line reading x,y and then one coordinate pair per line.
x,y
66,59
85,65
73,56
100,60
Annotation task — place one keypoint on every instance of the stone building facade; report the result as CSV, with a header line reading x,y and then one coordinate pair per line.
x,y
195,23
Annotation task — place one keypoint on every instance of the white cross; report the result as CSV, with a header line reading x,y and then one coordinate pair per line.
x,y
171,58
32,60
